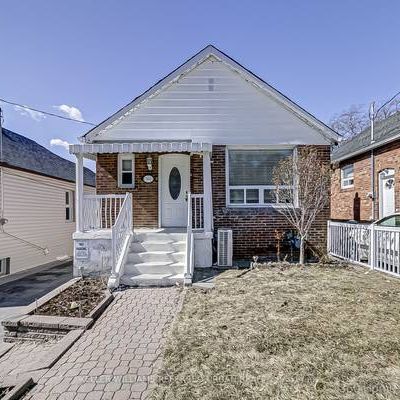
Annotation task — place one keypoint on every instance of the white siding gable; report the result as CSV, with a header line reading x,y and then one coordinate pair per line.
x,y
213,103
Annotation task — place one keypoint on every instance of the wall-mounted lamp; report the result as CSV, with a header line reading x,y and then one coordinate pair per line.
x,y
149,162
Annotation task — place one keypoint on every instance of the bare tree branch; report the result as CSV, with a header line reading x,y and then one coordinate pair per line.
x,y
302,189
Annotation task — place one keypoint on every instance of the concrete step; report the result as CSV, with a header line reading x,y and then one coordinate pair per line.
x,y
147,280
140,247
159,267
162,236
156,256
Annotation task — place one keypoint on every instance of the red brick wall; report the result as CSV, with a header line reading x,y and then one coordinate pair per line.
x,y
354,203
253,228
145,196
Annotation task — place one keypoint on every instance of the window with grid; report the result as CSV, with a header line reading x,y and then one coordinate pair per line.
x,y
126,170
250,180
347,173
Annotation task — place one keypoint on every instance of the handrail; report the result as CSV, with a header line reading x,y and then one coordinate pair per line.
x,y
121,233
197,211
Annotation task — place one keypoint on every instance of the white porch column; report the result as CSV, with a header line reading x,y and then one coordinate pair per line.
x,y
79,193
207,190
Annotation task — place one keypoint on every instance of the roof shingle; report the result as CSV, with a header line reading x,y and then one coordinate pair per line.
x,y
21,152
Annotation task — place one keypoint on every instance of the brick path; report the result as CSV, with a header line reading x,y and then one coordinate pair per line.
x,y
118,358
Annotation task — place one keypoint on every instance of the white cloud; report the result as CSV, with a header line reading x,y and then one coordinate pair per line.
x,y
59,142
35,115
71,112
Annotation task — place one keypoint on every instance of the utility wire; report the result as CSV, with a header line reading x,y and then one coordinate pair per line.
x,y
46,112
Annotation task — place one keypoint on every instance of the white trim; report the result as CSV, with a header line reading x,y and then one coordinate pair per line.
x,y
140,147
344,182
121,158
203,55
260,188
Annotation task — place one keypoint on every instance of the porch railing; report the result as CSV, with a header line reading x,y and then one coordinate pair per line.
x,y
121,234
197,210
375,246
101,211
188,275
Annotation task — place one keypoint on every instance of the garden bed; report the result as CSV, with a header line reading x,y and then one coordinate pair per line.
x,y
287,332
76,301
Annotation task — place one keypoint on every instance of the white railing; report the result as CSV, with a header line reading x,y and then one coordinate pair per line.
x,y
189,243
121,234
197,211
101,211
349,242
372,245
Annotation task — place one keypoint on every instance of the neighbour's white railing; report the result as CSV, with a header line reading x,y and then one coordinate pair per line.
x,y
372,245
189,243
121,233
386,245
101,211
349,241
197,210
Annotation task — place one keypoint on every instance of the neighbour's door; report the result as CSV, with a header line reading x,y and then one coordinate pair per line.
x,y
174,187
386,192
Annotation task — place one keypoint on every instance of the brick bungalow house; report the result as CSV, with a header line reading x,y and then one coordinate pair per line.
x,y
366,174
191,156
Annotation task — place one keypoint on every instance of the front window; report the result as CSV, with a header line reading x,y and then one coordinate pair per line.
x,y
347,177
4,266
251,176
69,205
126,171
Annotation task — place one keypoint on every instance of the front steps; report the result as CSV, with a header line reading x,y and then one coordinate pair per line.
x,y
156,258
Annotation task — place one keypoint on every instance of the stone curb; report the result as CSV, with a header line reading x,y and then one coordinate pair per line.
x,y
99,309
19,390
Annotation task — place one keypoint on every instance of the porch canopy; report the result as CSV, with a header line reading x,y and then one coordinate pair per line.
x,y
89,150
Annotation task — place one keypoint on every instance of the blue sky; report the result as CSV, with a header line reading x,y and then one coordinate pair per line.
x,y
96,56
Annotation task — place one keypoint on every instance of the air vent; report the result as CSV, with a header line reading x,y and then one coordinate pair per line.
x,y
210,84
225,247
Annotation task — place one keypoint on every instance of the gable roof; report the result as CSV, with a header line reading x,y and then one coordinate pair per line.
x,y
24,153
201,56
385,131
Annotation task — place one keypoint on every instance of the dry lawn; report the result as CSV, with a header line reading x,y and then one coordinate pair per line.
x,y
318,332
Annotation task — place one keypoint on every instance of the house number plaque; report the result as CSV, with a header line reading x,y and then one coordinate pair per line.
x,y
148,179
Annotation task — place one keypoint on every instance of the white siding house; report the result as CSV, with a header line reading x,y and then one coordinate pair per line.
x,y
37,205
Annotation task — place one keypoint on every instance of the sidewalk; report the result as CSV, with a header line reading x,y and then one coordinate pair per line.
x,y
118,358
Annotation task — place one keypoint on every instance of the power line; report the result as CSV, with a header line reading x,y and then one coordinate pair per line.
x,y
46,112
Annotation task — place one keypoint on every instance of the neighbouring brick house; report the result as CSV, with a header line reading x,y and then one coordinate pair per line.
x,y
366,174
208,135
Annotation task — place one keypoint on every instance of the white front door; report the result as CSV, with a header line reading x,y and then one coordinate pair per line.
x,y
386,192
174,186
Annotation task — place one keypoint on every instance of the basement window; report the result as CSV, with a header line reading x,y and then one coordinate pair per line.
x,y
126,170
4,266
347,176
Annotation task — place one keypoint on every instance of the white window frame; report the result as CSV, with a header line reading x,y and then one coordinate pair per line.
x,y
70,205
260,188
345,182
121,158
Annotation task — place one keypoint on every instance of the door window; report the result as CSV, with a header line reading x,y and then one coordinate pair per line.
x,y
174,183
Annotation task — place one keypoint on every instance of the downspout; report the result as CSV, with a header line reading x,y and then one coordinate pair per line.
x,y
372,162
1,170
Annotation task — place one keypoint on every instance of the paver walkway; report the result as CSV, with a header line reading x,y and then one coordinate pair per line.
x,y
118,358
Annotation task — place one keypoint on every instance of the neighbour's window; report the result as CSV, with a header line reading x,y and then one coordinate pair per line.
x,y
4,266
126,170
250,182
69,205
347,176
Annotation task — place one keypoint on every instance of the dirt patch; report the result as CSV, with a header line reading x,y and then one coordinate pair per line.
x,y
76,301
286,332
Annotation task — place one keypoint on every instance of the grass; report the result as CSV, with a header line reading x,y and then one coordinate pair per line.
x,y
287,332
